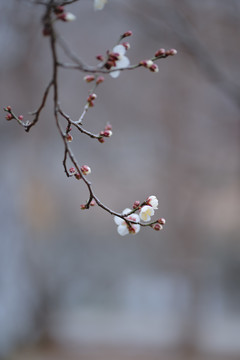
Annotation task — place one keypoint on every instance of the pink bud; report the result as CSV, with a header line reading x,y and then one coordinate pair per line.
x,y
101,139
126,34
9,117
85,169
72,170
146,63
93,203
136,204
83,207
107,133
154,68
157,227
20,117
171,52
160,52
69,138
100,57
162,221
99,80
89,78
8,108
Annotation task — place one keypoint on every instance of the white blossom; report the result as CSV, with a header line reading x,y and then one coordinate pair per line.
x,y
122,62
146,213
123,228
152,201
69,17
99,4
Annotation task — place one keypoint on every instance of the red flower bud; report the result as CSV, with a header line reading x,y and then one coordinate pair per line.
x,y
136,204
88,78
162,221
101,139
160,52
126,34
100,57
157,227
99,80
20,117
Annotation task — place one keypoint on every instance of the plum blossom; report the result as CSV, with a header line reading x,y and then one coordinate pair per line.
x,y
122,61
152,201
146,213
99,4
123,228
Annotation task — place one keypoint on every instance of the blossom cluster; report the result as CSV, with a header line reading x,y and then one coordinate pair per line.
x,y
130,222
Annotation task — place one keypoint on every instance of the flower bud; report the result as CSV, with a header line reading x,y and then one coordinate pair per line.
x,y
89,78
67,17
154,68
83,207
72,170
99,80
85,169
101,139
9,117
171,52
69,138
160,52
78,176
162,221
157,227
93,203
100,57
136,204
146,63
8,108
126,34
92,97
20,117
107,133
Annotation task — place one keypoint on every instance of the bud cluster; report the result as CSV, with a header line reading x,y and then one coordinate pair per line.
x,y
162,53
106,133
149,64
64,16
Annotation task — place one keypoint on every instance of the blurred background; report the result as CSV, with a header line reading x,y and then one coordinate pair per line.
x,y
70,286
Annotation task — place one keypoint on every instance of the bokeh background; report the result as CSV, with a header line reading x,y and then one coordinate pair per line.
x,y
70,286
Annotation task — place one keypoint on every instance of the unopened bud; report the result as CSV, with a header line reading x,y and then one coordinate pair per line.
x,y
9,117
136,204
77,176
160,52
100,57
20,117
99,80
146,63
69,138
93,203
162,221
157,227
154,68
92,97
89,78
72,170
85,169
67,17
107,133
126,34
171,52
101,139
8,108
83,207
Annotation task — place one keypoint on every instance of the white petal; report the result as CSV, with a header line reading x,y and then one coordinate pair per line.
x,y
122,230
120,49
145,217
123,62
126,211
115,74
118,220
136,228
